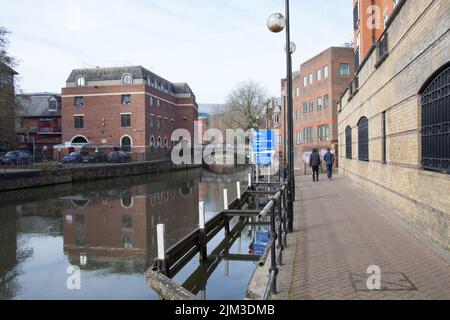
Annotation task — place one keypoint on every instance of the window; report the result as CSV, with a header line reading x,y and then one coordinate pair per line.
x,y
363,139
311,80
311,106
81,82
158,143
166,142
152,141
297,92
344,69
151,101
305,81
299,137
78,101
297,114
79,122
127,243
125,120
325,72
126,144
126,99
158,103
436,122
319,74
52,105
326,102
348,142
127,221
127,79
276,119
386,17
152,122
323,133
319,104
158,123
308,134
305,107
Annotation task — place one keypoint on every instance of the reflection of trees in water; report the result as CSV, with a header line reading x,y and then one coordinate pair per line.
x,y
12,254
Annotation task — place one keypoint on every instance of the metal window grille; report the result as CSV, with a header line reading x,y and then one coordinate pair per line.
x,y
348,143
436,123
363,139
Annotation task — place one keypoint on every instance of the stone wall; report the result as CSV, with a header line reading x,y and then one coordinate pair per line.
x,y
418,45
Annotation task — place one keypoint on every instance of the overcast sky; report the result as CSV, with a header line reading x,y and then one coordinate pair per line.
x,y
211,44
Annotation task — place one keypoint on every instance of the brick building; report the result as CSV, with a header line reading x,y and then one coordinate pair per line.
x,y
370,18
317,90
7,108
128,107
394,120
40,124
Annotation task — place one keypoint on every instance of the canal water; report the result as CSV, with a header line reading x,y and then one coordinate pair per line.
x,y
108,229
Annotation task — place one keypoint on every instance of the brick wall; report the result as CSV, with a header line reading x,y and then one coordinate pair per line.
x,y
418,45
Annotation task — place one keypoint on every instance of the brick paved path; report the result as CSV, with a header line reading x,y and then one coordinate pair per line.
x,y
342,231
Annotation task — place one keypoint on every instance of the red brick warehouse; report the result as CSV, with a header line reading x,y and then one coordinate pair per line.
x,y
128,107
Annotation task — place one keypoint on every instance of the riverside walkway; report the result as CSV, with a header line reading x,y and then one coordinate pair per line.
x,y
340,232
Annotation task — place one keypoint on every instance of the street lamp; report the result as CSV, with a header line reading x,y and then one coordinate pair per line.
x,y
277,23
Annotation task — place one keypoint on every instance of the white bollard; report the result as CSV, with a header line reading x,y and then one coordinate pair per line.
x,y
238,187
201,217
225,199
161,230
249,180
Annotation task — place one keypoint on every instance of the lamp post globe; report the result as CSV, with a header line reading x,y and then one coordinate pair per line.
x,y
293,48
276,22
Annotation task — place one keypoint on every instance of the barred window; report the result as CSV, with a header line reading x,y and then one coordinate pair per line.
x,y
348,143
436,122
363,139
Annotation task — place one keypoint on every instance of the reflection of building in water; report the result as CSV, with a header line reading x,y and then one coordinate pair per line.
x,y
101,227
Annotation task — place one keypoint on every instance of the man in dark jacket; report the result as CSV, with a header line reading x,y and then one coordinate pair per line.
x,y
314,163
329,159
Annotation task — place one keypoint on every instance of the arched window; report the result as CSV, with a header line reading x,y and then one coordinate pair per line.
x,y
158,144
363,139
126,144
81,82
348,142
127,79
152,141
166,142
436,122
80,140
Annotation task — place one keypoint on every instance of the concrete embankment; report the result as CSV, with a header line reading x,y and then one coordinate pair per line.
x,y
30,179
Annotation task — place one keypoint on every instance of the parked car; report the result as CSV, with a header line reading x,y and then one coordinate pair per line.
x,y
95,157
118,156
17,157
74,157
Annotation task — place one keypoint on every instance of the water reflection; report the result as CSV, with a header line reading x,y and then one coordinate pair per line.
x,y
107,228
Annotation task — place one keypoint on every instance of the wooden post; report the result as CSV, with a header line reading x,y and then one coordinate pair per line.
x,y
163,267
202,234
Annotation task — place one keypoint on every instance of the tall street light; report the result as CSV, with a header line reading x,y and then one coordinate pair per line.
x,y
277,23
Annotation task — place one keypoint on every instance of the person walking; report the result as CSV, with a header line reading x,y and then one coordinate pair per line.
x,y
329,160
314,163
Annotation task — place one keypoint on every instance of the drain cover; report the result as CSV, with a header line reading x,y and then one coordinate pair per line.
x,y
390,281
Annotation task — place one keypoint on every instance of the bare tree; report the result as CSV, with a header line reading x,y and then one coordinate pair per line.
x,y
244,106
